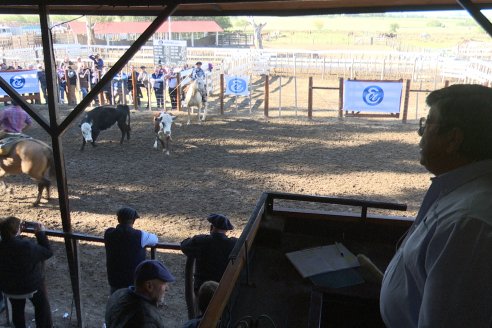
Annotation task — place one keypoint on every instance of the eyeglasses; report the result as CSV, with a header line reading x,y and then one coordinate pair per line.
x,y
423,124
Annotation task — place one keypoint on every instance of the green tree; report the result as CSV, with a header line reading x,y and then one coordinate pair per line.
x,y
434,23
223,22
241,24
318,24
394,27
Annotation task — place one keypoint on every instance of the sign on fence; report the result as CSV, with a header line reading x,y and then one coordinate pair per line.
x,y
372,96
170,52
21,81
237,85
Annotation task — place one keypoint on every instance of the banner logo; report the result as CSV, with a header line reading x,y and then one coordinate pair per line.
x,y
237,85
373,95
17,81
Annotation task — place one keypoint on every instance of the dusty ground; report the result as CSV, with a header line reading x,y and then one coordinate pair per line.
x,y
221,166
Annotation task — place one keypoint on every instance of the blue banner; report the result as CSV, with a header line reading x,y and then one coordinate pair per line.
x,y
237,85
21,81
372,96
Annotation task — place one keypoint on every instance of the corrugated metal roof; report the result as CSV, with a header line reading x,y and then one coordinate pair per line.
x,y
139,27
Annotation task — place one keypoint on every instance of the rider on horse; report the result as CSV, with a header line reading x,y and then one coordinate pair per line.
x,y
199,73
13,121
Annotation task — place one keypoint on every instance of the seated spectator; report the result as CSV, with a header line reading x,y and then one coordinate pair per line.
x,y
138,306
205,294
21,271
125,248
211,251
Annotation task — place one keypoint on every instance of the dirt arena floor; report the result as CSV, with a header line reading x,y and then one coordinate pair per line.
x,y
220,166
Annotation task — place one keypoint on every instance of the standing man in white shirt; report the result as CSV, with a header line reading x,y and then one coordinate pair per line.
x,y
125,248
441,275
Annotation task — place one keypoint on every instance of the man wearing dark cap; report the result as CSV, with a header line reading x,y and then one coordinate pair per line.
x,y
125,248
210,251
199,73
138,306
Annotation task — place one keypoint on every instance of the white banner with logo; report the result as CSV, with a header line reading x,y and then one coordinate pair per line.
x,y
372,96
21,81
237,85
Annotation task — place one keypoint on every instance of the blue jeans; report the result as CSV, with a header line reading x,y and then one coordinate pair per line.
x,y
84,92
61,89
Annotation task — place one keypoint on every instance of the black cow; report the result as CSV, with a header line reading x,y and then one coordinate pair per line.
x,y
102,118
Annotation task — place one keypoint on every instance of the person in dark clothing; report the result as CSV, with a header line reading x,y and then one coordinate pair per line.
x,y
205,294
98,61
42,82
22,272
157,81
138,306
125,248
71,85
211,251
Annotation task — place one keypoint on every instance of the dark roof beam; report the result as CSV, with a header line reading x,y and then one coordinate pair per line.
x,y
477,15
134,48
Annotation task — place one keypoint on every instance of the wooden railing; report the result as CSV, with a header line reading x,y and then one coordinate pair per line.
x,y
97,239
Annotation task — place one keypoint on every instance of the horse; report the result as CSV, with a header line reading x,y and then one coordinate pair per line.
x,y
162,128
29,156
194,99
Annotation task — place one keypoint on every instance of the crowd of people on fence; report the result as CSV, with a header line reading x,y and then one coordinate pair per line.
x,y
75,78
137,285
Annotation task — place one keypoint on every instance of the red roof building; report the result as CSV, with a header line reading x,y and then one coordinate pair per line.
x,y
115,31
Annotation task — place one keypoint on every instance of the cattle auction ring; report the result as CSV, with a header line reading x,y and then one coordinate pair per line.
x,y
222,165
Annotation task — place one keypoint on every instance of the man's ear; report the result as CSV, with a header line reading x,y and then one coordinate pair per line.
x,y
455,140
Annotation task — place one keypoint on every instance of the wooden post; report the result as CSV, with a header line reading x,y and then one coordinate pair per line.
x,y
221,94
310,98
405,102
340,97
446,83
101,94
178,91
267,95
134,90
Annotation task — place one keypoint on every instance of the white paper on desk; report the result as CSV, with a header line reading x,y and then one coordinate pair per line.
x,y
313,261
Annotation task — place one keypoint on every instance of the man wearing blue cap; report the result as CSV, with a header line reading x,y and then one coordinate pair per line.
x,y
210,251
125,248
138,306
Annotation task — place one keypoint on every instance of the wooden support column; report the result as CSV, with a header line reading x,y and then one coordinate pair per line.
x,y
70,244
340,97
134,89
221,94
267,95
178,91
405,102
310,98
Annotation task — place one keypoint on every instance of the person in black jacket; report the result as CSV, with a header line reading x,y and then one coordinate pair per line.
x,y
210,251
139,306
22,272
125,248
